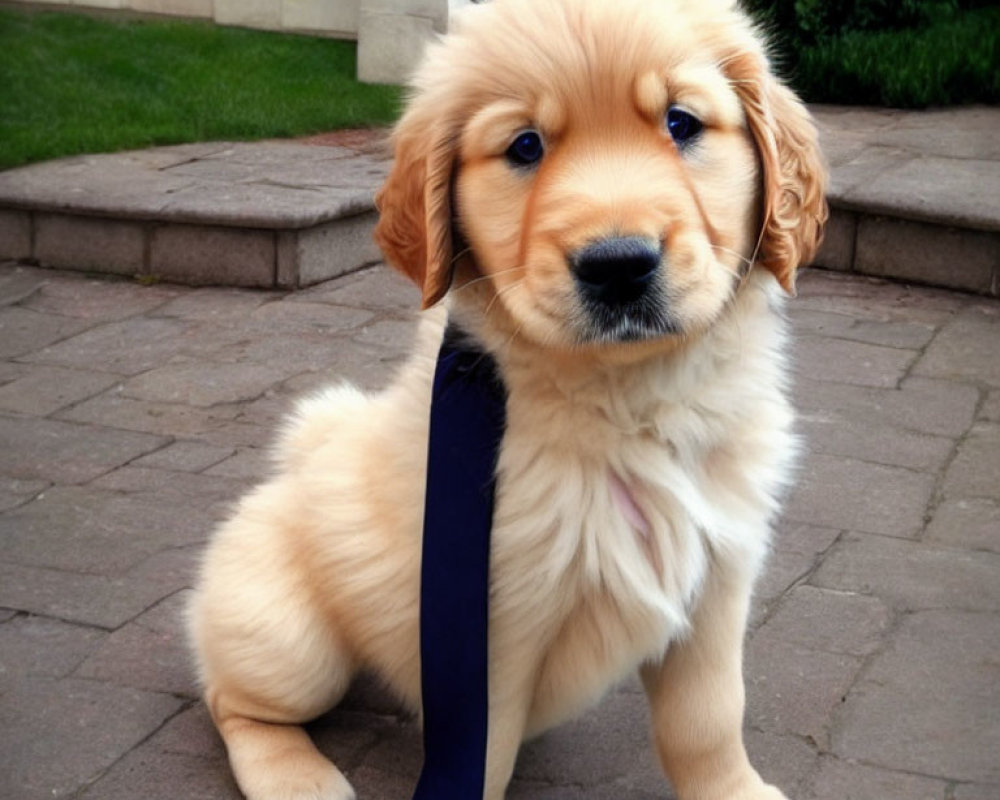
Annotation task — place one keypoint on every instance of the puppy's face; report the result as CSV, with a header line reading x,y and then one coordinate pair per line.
x,y
614,197
602,163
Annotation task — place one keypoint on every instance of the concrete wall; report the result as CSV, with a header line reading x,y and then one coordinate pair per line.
x,y
391,34
323,17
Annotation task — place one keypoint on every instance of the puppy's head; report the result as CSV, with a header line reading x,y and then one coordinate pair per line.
x,y
611,169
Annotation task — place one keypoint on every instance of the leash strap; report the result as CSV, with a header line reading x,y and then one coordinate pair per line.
x,y
468,415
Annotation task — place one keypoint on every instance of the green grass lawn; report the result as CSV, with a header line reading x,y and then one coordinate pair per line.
x,y
74,84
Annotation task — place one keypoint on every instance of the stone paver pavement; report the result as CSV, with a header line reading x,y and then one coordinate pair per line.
x,y
132,416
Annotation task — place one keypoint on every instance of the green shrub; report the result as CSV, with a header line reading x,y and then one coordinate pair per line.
x,y
823,18
948,63
812,20
906,53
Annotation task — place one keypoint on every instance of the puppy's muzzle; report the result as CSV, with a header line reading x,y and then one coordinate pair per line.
x,y
616,271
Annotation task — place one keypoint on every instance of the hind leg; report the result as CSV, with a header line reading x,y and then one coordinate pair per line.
x,y
269,661
258,701
274,760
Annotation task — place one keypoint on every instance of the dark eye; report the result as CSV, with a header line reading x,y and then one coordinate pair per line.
x,y
526,149
683,126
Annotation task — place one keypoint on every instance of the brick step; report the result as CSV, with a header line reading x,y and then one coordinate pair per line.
x,y
914,195
265,214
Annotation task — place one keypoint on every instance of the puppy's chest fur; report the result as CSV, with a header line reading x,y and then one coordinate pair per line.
x,y
618,490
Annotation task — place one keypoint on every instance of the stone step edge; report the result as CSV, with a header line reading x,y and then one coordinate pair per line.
x,y
190,253
936,214
884,246
916,251
359,203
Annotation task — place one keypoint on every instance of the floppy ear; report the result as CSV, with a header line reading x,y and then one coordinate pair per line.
x,y
794,175
414,227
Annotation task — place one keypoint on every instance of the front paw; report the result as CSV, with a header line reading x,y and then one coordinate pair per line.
x,y
752,788
764,792
757,790
298,781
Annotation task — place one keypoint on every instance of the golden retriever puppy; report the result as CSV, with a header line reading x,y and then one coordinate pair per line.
x,y
611,199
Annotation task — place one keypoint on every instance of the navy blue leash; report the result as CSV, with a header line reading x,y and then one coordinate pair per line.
x,y
468,415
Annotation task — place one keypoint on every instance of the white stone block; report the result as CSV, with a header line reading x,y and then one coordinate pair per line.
x,y
249,13
202,9
390,46
99,3
326,16
436,10
416,8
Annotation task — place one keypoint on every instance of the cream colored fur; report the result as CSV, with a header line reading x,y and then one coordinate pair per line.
x,y
636,481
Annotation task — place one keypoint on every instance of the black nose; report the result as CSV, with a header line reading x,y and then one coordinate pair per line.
x,y
616,270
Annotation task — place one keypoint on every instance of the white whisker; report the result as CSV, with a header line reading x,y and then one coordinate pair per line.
x,y
496,296
480,278
510,341
743,258
459,254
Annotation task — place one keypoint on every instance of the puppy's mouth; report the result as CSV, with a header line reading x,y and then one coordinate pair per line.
x,y
618,284
632,322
